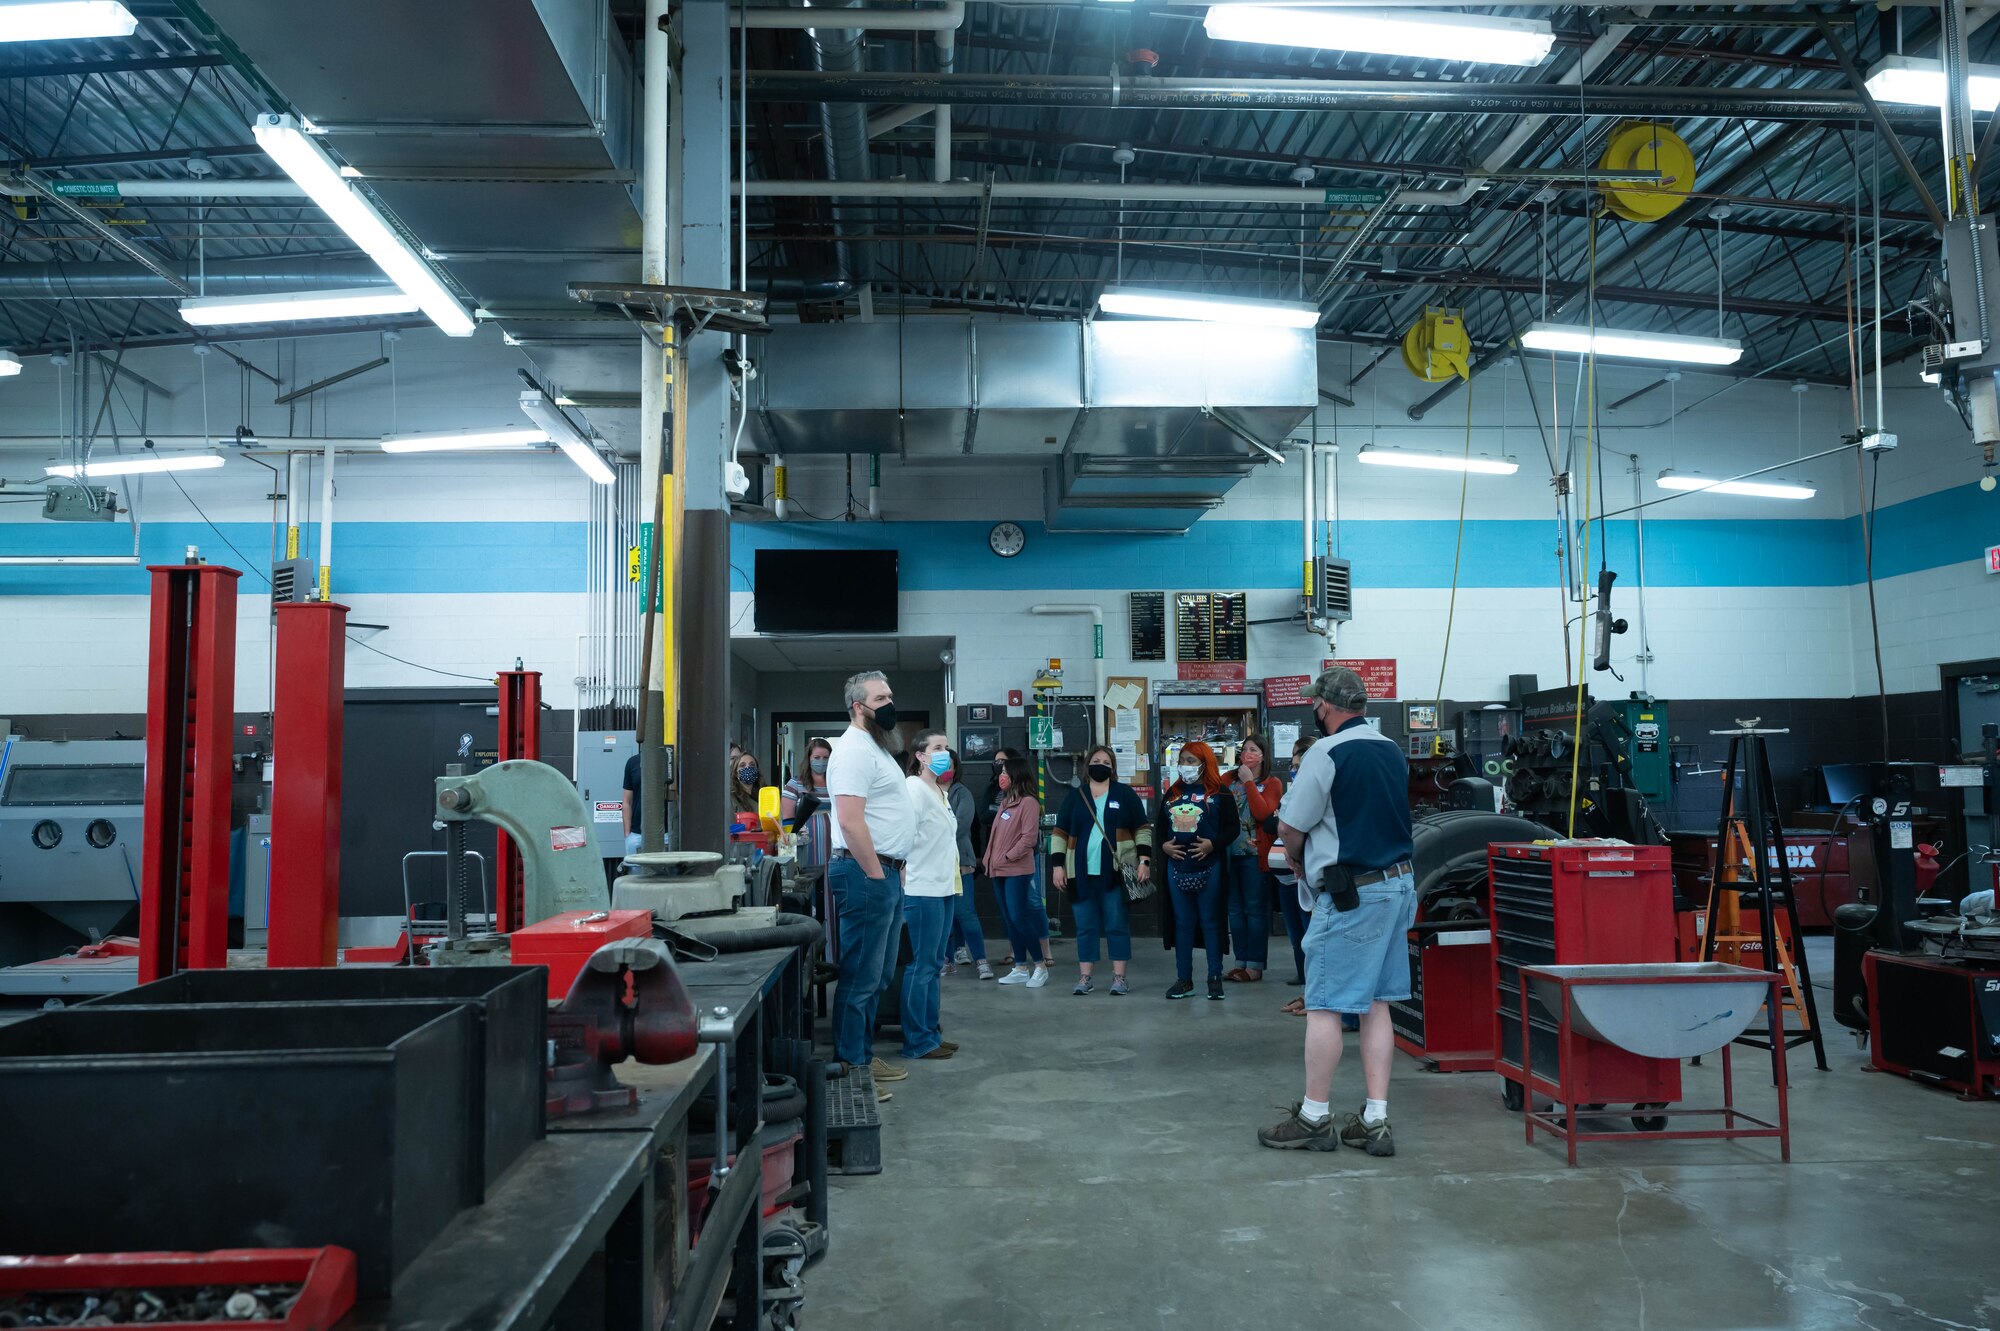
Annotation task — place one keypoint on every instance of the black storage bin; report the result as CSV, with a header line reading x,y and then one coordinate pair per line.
x,y
511,1003
169,1129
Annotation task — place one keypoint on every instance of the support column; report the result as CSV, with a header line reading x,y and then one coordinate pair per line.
x,y
657,715
190,712
702,193
520,737
306,732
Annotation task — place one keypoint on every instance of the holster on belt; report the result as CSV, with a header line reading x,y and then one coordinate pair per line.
x,y
1337,881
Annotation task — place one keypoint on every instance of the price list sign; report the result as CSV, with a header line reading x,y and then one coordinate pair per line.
x,y
1192,625
1149,626
1211,626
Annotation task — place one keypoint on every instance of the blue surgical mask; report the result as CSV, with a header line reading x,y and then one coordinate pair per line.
x,y
819,766
1295,771
940,763
747,775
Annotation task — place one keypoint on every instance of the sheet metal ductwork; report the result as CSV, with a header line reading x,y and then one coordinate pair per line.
x,y
131,281
843,125
502,132
1143,426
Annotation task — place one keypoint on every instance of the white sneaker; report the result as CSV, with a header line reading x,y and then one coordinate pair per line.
x,y
1019,975
1040,977
985,971
963,956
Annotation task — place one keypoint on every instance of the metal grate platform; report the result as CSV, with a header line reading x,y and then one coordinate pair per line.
x,y
853,1126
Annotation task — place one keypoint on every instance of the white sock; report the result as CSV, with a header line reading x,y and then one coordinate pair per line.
x,y
1314,1111
1374,1111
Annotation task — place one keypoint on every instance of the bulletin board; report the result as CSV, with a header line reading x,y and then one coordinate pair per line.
x,y
1132,741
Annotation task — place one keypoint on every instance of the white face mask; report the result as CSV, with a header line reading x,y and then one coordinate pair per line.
x,y
1190,775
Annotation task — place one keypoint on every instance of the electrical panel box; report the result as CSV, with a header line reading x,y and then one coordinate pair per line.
x,y
1652,773
79,503
601,756
1333,589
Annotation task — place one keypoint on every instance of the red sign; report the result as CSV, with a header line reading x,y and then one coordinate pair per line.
x,y
1280,691
1214,670
1993,559
1378,674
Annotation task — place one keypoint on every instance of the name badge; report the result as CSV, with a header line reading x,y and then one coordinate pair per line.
x,y
1006,817
1111,804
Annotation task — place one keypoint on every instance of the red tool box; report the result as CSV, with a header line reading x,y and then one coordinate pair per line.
x,y
1578,904
564,942
325,1277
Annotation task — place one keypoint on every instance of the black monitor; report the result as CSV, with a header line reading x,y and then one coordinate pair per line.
x,y
1845,783
826,591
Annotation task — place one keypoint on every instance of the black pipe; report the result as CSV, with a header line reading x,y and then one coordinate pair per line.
x,y
816,1199
800,931
1809,104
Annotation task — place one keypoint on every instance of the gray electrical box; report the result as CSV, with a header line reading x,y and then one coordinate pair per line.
x,y
292,580
601,756
79,503
1333,589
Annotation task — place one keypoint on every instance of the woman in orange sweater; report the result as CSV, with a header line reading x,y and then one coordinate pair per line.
x,y
1257,797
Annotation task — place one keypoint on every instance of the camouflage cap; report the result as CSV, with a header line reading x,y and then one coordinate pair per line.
x,y
1341,687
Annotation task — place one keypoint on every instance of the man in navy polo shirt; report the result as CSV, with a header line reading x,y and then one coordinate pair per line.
x,y
1346,822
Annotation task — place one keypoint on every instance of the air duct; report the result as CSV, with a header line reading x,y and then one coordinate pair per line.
x,y
843,125
131,281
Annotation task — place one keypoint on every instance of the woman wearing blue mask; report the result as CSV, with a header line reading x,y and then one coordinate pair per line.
x,y
815,845
930,886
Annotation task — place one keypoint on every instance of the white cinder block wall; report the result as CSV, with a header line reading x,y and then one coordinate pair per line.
x,y
472,562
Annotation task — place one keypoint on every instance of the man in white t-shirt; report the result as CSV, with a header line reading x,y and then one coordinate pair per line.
x,y
874,826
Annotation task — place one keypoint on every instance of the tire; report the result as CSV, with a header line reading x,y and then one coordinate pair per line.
x,y
784,1101
1512,1096
1448,849
1650,1122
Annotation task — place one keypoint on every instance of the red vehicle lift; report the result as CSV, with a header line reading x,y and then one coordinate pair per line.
x,y
190,709
520,737
305,787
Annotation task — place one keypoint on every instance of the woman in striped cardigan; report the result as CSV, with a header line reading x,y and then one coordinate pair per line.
x,y
1084,865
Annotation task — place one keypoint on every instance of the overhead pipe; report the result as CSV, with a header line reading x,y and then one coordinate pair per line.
x,y
1112,91
843,127
1096,613
946,17
132,281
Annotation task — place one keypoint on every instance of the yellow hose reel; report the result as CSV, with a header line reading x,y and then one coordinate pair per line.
x,y
1437,346
1643,145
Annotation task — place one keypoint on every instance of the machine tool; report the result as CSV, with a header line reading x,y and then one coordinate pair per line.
x,y
1622,769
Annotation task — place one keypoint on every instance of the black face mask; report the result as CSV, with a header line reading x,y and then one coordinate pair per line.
x,y
1100,772
1319,720
884,717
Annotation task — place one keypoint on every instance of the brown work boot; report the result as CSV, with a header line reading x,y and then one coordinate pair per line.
x,y
1293,1133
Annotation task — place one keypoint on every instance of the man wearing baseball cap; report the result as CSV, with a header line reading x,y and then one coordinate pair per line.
x,y
1346,822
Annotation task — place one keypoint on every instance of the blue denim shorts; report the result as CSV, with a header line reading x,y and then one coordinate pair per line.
x,y
1361,957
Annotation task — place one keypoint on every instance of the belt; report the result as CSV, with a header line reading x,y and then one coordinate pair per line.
x,y
886,860
1370,877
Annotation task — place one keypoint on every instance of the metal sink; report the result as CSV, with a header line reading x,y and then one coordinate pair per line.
x,y
1658,1010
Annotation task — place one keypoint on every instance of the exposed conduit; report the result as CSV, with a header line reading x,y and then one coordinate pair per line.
x,y
1096,613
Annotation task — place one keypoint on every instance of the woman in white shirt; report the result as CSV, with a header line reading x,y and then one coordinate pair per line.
x,y
930,885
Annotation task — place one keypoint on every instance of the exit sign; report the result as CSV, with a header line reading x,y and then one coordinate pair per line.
x,y
1993,559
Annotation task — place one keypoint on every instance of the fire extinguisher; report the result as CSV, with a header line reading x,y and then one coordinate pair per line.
x,y
1927,868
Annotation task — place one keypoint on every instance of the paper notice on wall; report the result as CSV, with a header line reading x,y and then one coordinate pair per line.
x,y
1283,737
607,811
1122,697
1128,759
1125,727
1901,836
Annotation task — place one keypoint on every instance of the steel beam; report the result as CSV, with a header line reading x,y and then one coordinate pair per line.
x,y
190,716
70,68
306,729
520,738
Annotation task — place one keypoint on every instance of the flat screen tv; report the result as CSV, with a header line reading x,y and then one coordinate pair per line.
x,y
826,591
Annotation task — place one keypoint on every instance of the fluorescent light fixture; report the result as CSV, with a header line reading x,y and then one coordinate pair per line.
x,y
1399,457
1676,347
1478,38
287,306
1915,81
1673,480
10,364
466,442
306,162
138,466
36,561
568,438
1207,309
63,20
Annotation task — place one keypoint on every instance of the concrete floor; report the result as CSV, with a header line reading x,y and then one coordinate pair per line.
x,y
1091,1162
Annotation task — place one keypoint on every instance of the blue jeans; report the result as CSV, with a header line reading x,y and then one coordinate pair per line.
x,y
1296,920
1027,922
930,923
869,912
1099,903
1206,902
1250,911
965,929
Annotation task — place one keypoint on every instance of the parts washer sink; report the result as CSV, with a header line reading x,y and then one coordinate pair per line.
x,y
1678,1017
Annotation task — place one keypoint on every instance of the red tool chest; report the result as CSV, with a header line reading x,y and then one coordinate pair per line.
x,y
564,942
1573,904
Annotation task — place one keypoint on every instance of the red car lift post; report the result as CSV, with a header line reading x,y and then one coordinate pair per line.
x,y
190,711
520,737
305,783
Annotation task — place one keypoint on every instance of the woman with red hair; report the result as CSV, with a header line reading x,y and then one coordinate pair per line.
x,y
1194,828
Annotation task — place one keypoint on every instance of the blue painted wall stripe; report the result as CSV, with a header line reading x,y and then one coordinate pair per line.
x,y
1948,527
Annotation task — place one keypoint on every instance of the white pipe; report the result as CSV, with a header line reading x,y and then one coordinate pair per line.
x,y
1306,489
326,523
295,475
946,39
896,117
1025,189
654,221
780,487
875,20
1096,613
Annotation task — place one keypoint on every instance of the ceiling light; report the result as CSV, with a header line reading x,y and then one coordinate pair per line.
x,y
1632,345
1477,38
307,163
1672,480
1915,81
52,561
63,20
287,306
567,437
10,364
1207,309
466,442
1398,457
134,466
